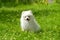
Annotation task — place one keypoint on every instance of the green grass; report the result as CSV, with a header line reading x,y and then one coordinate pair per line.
x,y
48,17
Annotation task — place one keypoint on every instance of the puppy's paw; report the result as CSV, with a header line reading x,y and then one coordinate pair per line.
x,y
22,29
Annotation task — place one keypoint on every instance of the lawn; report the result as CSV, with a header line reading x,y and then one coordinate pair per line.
x,y
48,17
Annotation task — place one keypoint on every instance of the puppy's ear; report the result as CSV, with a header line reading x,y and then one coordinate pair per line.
x,y
23,12
30,11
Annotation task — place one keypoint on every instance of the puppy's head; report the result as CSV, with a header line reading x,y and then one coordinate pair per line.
x,y
27,15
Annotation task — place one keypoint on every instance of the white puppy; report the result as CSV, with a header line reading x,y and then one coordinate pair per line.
x,y
28,22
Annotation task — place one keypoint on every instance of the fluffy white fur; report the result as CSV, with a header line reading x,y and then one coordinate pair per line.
x,y
28,22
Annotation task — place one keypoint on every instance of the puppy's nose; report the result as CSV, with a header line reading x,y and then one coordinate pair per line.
x,y
28,19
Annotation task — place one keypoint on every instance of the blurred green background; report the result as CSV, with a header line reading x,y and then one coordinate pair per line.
x,y
46,13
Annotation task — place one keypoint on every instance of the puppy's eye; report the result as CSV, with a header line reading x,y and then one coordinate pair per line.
x,y
29,16
25,16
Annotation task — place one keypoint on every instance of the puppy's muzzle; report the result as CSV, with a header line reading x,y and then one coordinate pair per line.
x,y
28,19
